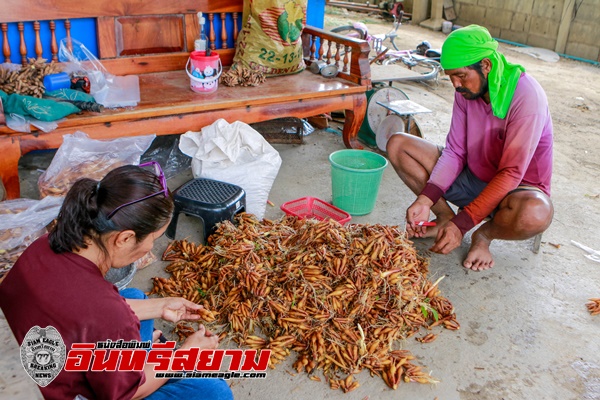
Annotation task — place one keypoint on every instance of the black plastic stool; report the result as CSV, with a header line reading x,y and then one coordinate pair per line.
x,y
211,201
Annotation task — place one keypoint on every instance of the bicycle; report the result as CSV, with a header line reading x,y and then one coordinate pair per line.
x,y
423,60
358,30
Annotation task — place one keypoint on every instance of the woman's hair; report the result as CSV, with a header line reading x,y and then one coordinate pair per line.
x,y
83,215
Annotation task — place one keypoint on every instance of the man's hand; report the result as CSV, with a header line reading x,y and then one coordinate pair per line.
x,y
202,339
448,238
175,309
418,211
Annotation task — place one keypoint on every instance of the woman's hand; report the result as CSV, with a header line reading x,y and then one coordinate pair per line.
x,y
175,309
202,339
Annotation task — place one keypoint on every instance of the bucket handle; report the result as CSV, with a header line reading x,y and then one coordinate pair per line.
x,y
204,80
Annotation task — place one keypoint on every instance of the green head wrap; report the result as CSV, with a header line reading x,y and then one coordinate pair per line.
x,y
471,44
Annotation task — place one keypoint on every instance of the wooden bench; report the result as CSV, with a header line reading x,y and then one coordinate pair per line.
x,y
153,39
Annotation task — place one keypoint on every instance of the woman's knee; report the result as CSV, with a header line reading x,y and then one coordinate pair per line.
x,y
133,293
195,388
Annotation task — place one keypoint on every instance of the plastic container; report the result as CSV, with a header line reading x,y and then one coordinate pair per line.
x,y
121,277
312,207
355,179
58,81
204,71
447,27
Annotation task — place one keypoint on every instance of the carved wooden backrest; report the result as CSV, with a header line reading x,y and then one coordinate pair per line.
x,y
133,36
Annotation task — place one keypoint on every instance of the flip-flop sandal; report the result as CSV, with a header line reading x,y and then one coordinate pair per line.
x,y
162,338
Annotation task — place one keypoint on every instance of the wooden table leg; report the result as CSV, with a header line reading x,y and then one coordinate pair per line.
x,y
10,153
353,120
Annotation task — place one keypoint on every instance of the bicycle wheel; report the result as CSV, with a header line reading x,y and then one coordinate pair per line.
x,y
427,69
350,31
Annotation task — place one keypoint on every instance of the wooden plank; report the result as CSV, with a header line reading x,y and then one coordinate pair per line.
x,y
9,166
32,10
149,35
107,47
192,30
156,63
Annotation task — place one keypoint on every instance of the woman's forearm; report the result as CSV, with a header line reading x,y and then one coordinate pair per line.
x,y
146,308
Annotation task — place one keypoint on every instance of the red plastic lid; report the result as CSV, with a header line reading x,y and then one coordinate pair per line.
x,y
201,56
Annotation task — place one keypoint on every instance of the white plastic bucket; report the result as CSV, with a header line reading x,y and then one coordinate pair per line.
x,y
199,66
447,27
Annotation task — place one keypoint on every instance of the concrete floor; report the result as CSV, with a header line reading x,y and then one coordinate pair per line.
x,y
525,332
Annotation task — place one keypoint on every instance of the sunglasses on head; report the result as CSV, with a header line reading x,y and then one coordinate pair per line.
x,y
163,181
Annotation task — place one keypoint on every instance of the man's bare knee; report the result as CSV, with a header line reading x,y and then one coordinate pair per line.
x,y
534,214
398,145
541,212
403,146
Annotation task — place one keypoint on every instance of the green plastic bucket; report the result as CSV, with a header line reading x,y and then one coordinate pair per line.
x,y
355,179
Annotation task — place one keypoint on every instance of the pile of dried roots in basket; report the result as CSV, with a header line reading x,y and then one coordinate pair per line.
x,y
341,297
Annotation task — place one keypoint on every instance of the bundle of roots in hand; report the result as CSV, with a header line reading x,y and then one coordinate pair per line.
x,y
29,80
341,297
239,75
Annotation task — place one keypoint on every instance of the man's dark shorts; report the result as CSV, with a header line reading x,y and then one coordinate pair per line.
x,y
467,187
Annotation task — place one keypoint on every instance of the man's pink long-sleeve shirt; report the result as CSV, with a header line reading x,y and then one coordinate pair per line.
x,y
505,153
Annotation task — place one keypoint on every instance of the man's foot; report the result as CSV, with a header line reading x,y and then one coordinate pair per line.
x,y
479,257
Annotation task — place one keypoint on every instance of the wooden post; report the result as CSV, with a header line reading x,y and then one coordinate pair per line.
x,y
38,42
211,35
236,29
53,44
5,46
69,41
223,31
22,46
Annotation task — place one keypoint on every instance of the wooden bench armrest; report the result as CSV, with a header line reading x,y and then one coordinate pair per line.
x,y
349,54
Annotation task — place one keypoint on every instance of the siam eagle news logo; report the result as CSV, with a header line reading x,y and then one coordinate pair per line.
x,y
43,354
43,357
